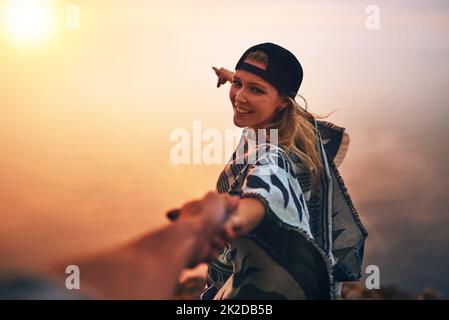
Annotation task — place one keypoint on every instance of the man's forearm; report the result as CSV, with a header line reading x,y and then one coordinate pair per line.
x,y
145,269
149,267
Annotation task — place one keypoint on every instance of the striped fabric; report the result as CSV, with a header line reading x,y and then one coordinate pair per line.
x,y
308,241
279,259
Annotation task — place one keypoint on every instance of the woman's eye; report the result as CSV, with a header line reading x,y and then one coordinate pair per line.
x,y
236,83
257,90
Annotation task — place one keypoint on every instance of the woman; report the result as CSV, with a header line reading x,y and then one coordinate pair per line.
x,y
299,232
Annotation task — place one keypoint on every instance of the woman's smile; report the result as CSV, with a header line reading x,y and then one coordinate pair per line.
x,y
242,112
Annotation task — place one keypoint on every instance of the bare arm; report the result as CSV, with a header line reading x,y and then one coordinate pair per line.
x,y
246,217
224,75
149,267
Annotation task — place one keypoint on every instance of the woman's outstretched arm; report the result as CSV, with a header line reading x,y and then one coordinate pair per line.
x,y
224,75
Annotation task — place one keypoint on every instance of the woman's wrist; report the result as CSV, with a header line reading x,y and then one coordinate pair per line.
x,y
230,76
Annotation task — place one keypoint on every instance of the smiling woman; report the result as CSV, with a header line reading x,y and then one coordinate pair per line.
x,y
28,21
293,206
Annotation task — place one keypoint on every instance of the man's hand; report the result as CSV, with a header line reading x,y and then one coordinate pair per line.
x,y
149,266
208,217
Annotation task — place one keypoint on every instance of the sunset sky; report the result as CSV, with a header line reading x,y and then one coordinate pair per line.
x,y
86,115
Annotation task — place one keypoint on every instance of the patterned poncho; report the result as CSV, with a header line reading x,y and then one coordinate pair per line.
x,y
292,253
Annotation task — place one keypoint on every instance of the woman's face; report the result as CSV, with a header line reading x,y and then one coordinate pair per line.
x,y
254,100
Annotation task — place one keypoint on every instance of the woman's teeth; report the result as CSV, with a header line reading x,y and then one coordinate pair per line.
x,y
242,111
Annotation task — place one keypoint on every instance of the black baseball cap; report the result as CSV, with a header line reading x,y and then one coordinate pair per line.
x,y
283,71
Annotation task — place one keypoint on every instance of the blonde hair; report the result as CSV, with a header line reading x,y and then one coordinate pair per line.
x,y
296,130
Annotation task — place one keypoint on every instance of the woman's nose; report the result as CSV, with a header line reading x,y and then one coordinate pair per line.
x,y
240,96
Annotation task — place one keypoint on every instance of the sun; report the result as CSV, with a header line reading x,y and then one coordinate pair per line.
x,y
28,21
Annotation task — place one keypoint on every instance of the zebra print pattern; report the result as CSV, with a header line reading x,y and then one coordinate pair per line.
x,y
274,175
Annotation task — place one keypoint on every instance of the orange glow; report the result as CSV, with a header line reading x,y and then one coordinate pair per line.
x,y
85,120
28,21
